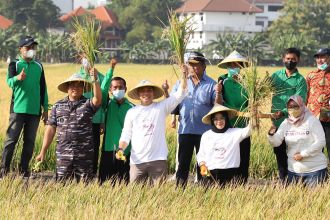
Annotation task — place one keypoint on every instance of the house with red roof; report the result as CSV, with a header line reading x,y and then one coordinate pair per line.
x,y
111,32
5,23
211,17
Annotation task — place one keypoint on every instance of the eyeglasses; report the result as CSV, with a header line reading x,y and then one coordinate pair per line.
x,y
219,119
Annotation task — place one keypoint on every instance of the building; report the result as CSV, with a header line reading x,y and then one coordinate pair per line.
x,y
271,11
69,5
211,17
5,23
111,33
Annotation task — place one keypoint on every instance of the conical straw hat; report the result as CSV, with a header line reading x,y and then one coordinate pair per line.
x,y
219,108
234,57
133,93
77,77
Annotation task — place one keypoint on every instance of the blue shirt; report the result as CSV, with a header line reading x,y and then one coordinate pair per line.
x,y
196,105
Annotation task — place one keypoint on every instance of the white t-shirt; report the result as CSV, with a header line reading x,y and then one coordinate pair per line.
x,y
308,139
145,127
221,150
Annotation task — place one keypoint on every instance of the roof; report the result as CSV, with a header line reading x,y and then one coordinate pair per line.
x,y
218,6
266,1
5,22
102,13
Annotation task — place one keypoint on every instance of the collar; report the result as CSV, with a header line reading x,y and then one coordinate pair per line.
x,y
293,74
20,58
125,100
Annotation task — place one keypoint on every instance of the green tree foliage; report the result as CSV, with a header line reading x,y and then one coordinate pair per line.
x,y
304,24
35,15
140,18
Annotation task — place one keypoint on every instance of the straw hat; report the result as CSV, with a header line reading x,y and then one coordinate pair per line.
x,y
234,57
219,108
77,77
133,93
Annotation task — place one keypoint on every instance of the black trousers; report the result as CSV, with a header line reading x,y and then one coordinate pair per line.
x,y
113,169
282,161
326,128
96,139
245,148
187,143
222,177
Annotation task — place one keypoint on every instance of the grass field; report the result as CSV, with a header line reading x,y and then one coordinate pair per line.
x,y
76,201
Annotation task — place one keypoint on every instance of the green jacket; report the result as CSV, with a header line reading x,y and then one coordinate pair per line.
x,y
284,88
31,93
98,118
115,116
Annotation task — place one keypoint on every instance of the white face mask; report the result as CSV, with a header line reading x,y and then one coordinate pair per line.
x,y
118,94
30,53
85,63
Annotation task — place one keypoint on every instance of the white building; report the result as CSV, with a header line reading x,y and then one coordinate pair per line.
x,y
212,17
69,5
271,11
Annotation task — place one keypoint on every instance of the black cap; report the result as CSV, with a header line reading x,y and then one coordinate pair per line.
x,y
27,41
196,57
322,51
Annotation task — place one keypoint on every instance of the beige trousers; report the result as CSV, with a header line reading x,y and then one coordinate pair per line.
x,y
153,171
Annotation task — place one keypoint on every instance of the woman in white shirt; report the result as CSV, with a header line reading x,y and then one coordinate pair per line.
x,y
305,138
219,153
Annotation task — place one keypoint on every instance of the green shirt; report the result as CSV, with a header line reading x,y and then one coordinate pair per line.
x,y
284,88
98,118
31,93
234,97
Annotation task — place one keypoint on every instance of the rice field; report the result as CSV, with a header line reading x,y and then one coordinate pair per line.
x,y
261,198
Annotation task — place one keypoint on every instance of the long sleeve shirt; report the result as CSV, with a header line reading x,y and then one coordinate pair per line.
x,y
145,128
308,139
222,150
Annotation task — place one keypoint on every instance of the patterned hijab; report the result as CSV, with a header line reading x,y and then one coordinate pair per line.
x,y
304,111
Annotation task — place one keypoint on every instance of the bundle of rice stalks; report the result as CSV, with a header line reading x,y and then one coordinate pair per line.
x,y
85,38
258,91
178,33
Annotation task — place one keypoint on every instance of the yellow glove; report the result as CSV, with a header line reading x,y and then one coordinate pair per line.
x,y
120,155
204,170
37,167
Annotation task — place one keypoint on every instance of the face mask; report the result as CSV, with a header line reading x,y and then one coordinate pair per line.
x,y
85,63
294,112
232,72
118,94
323,67
30,54
290,65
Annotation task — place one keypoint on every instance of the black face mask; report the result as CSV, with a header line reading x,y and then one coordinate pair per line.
x,y
290,65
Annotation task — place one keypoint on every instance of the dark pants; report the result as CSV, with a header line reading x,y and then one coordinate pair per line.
x,y
113,169
221,177
187,143
245,148
282,161
326,128
18,122
96,139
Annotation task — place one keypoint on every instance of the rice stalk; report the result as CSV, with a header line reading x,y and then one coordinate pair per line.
x,y
178,33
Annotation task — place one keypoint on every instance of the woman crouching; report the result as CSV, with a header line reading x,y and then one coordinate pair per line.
x,y
219,153
305,138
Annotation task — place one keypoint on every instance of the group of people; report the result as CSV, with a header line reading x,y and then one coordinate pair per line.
x,y
134,147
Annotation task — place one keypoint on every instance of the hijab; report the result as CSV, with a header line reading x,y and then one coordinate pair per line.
x,y
227,124
297,121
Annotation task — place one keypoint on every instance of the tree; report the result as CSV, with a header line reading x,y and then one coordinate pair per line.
x,y
35,15
304,24
141,18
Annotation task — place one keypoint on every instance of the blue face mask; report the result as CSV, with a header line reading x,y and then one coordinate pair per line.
x,y
118,94
322,67
233,71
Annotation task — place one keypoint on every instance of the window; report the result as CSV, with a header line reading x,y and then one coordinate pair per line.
x,y
270,23
274,8
243,13
261,23
192,14
201,15
184,14
192,35
201,34
261,7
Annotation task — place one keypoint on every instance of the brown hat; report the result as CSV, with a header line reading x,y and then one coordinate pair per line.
x,y
219,108
234,57
133,93
77,77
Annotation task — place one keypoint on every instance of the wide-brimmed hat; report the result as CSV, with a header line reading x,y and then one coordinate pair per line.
x,y
322,51
196,57
77,77
219,108
27,41
133,93
234,57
